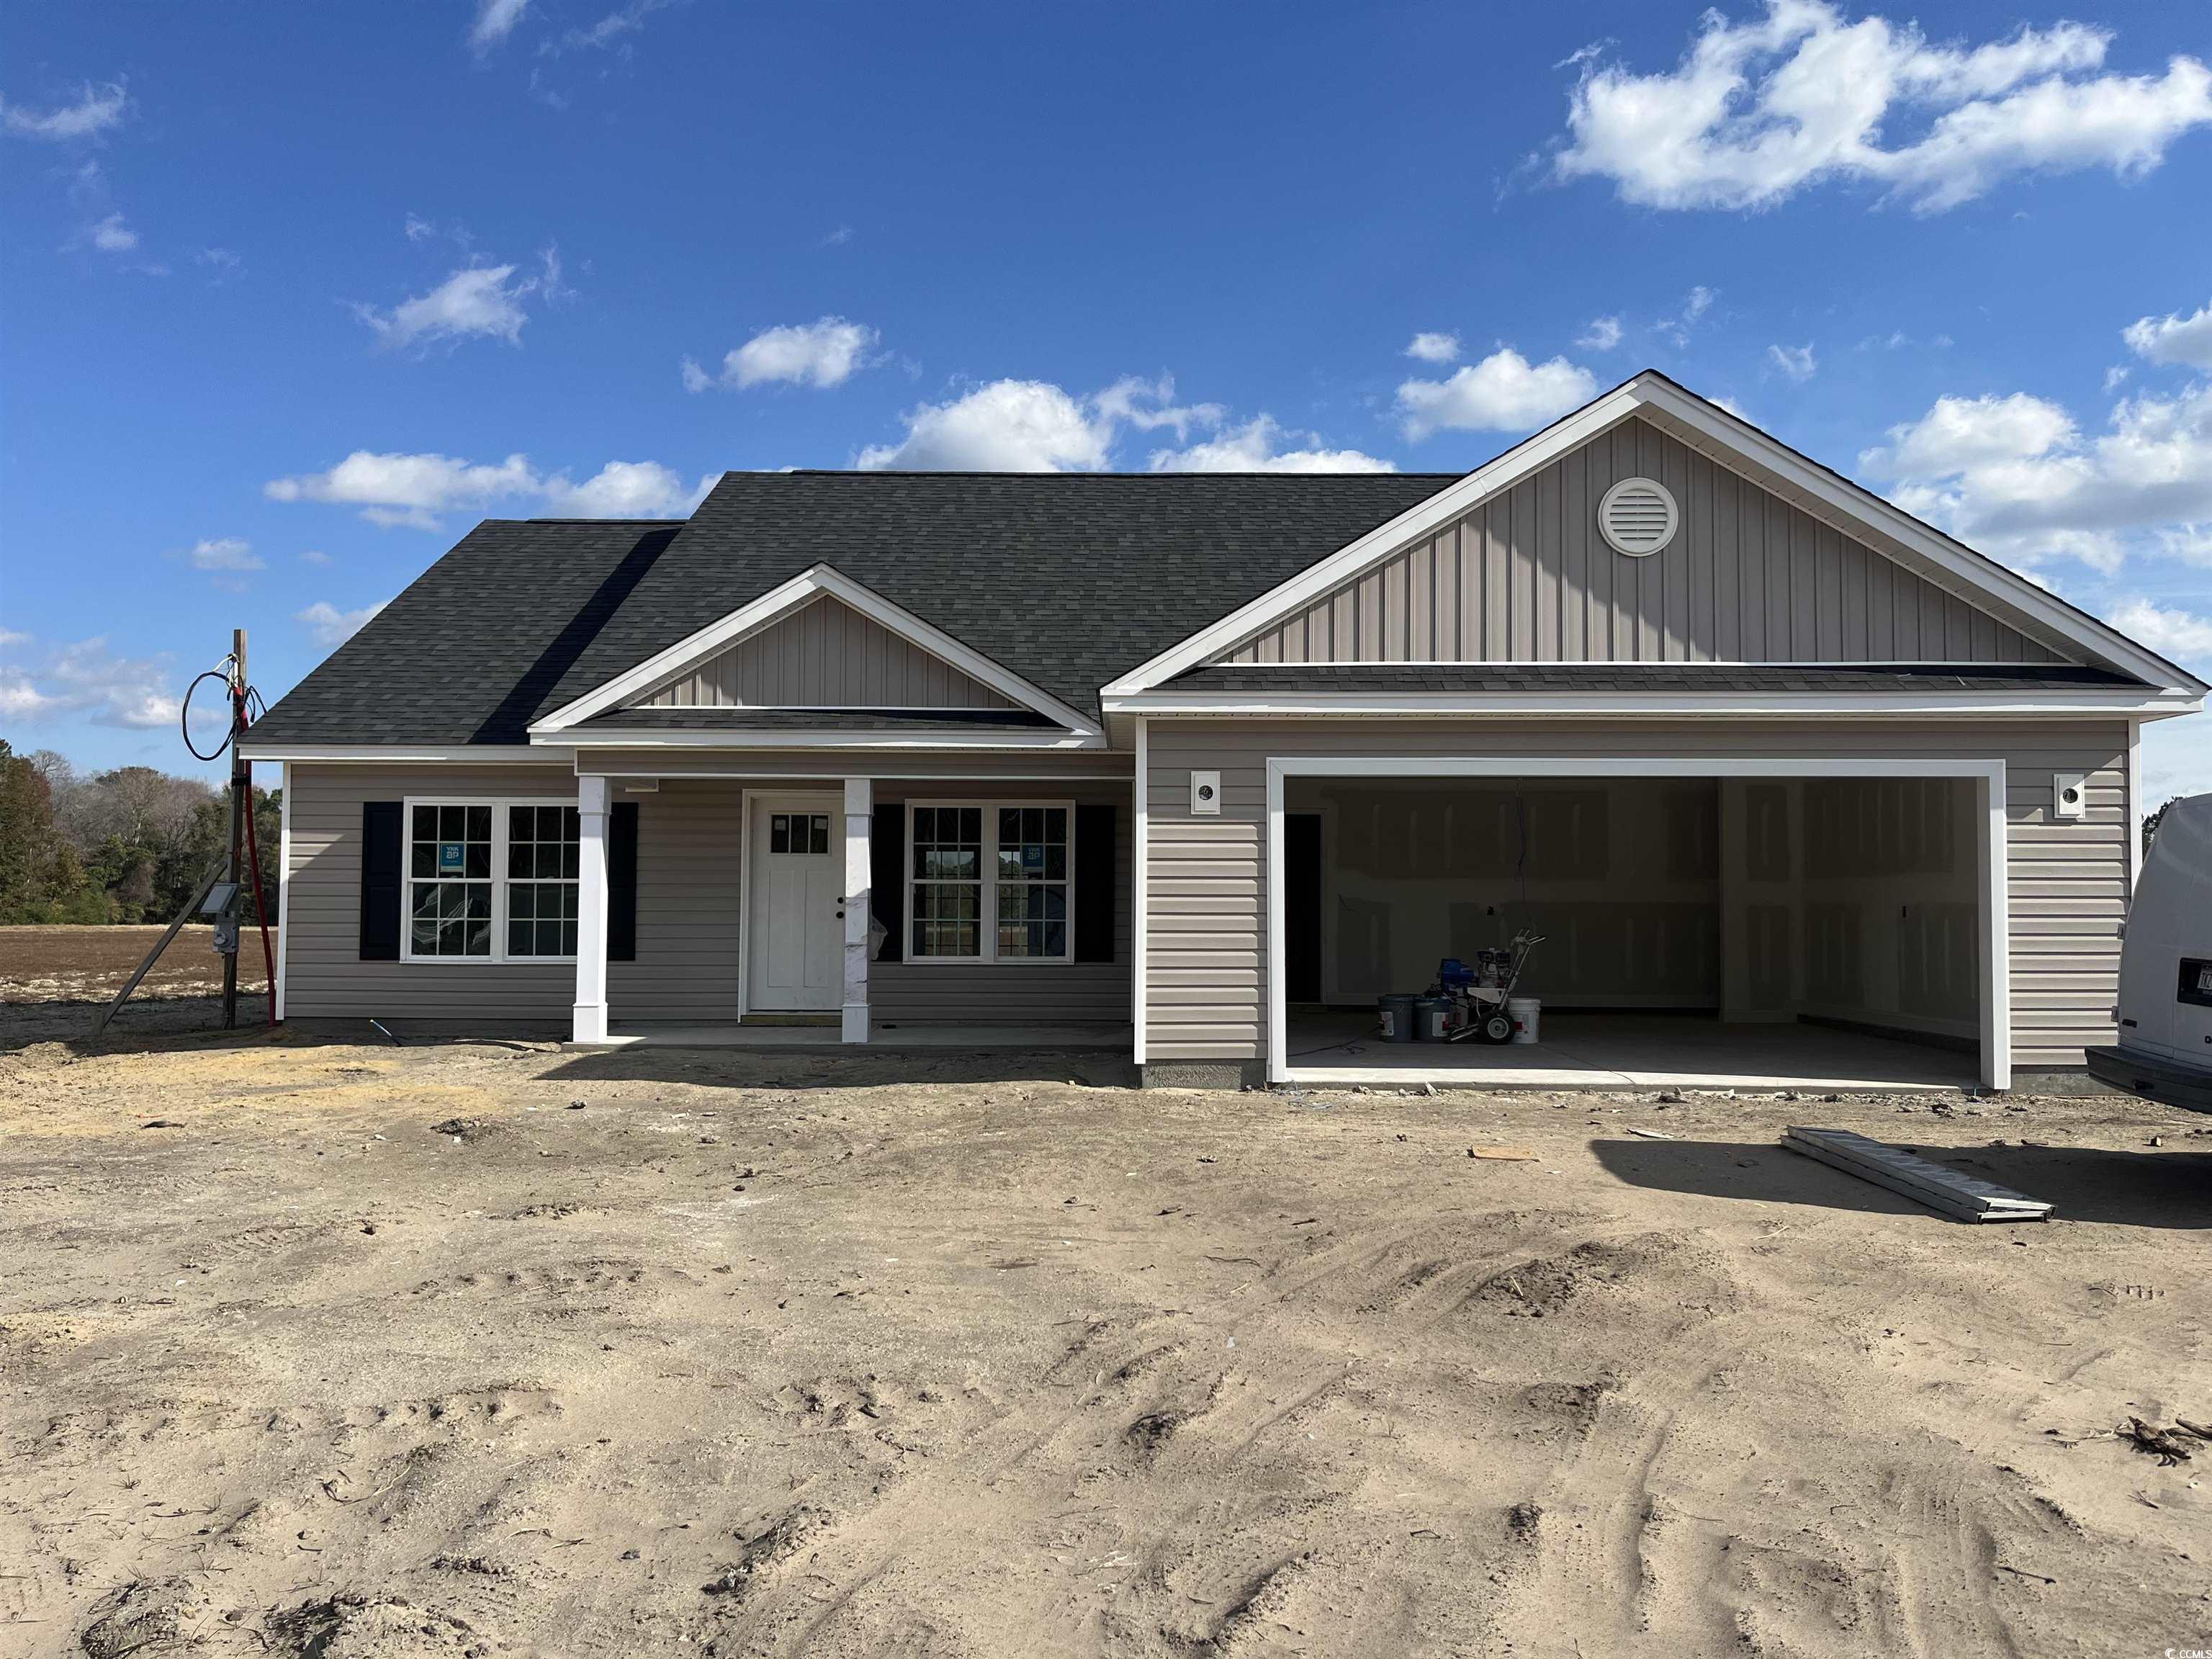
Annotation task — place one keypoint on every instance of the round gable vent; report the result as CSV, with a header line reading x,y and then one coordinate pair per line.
x,y
1638,517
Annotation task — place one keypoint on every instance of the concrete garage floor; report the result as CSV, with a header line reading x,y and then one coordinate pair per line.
x,y
1627,1050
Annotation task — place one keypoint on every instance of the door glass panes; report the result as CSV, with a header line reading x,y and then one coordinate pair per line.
x,y
798,832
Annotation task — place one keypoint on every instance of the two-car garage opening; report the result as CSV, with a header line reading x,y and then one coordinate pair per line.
x,y
1774,924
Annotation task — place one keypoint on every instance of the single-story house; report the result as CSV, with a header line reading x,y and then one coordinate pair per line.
x,y
1204,763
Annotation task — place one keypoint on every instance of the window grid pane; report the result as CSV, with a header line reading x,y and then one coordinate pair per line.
x,y
1032,884
543,858
449,880
948,884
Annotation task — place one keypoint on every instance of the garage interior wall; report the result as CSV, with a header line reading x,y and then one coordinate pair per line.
x,y
1849,899
1621,876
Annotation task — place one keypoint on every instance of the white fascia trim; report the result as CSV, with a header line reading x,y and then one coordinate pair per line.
x,y
1439,510
406,754
773,606
1991,855
1969,568
819,737
1652,705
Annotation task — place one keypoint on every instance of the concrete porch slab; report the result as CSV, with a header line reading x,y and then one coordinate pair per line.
x,y
884,1039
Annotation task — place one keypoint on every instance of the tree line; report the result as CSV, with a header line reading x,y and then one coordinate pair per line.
x,y
131,845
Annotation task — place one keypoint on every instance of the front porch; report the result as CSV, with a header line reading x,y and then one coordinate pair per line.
x,y
730,902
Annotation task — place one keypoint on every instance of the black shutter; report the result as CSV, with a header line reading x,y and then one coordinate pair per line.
x,y
1094,883
622,882
383,844
887,879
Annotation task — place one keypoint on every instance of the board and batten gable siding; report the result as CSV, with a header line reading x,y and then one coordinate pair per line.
x,y
826,655
1526,577
691,891
688,893
1205,939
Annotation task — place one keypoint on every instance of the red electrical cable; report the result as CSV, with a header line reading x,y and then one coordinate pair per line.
x,y
253,854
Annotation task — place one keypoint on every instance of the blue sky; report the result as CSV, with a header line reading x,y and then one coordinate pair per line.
x,y
295,295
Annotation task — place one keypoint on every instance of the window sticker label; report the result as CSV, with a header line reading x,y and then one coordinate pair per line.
x,y
452,858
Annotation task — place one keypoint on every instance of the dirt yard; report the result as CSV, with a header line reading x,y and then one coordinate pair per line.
x,y
309,1349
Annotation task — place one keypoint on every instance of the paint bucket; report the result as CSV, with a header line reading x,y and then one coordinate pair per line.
x,y
1432,1018
1524,1012
1394,1016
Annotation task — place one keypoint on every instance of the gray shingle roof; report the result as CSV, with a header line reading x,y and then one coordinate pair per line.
x,y
1065,579
1415,677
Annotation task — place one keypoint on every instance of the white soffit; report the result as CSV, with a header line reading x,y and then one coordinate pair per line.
x,y
1728,441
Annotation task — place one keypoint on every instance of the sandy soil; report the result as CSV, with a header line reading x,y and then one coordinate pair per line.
x,y
487,1349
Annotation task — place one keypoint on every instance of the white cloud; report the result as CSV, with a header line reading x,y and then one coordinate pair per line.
x,y
333,627
1602,334
1758,110
1695,304
821,354
87,679
1795,361
1257,446
19,699
478,302
1008,426
1033,426
316,556
2172,339
610,29
626,489
413,490
97,109
111,235
1504,393
224,553
1150,406
2176,760
2017,478
1430,348
2176,634
495,21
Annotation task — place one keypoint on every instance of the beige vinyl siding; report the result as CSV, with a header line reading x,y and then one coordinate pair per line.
x,y
1204,939
826,655
1012,993
688,891
1526,577
691,889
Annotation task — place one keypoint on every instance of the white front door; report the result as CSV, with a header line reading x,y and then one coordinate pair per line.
x,y
796,931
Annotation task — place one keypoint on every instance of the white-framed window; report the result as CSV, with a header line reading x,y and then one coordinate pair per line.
x,y
990,881
491,880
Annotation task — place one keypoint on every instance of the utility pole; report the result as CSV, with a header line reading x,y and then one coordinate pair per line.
x,y
241,803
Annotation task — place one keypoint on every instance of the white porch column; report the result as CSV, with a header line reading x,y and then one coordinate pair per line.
x,y
860,876
591,1011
